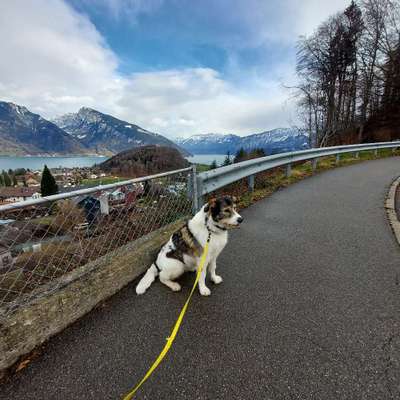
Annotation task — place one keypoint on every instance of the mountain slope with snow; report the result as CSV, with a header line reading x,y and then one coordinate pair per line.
x,y
210,143
25,133
108,135
275,141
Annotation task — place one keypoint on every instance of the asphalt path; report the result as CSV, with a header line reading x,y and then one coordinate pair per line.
x,y
309,309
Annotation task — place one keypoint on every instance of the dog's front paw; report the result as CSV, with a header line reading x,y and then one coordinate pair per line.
x,y
216,279
140,290
176,287
205,291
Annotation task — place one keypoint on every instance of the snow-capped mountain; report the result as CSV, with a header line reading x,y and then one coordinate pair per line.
x,y
25,133
106,134
210,143
274,141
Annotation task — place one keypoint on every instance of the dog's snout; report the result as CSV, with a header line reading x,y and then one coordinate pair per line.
x,y
240,220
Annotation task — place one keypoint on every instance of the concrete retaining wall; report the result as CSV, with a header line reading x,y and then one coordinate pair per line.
x,y
75,294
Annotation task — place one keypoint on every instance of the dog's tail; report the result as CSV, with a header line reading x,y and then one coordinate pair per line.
x,y
147,279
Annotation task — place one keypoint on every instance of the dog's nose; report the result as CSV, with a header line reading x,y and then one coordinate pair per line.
x,y
240,220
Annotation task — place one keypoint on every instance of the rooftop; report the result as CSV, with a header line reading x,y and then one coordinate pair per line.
x,y
17,191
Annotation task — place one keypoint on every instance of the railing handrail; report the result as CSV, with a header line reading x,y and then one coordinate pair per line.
x,y
215,179
81,192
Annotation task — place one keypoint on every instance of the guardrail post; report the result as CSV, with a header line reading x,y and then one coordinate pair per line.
x,y
376,152
337,159
250,182
288,170
357,154
314,164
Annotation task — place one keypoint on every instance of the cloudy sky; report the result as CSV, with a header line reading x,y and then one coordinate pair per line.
x,y
177,67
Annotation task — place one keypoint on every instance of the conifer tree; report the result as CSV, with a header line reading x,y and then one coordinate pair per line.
x,y
48,184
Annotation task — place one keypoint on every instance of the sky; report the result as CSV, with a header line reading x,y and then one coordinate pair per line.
x,y
175,67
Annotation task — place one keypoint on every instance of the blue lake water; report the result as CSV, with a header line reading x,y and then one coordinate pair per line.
x,y
37,163
207,158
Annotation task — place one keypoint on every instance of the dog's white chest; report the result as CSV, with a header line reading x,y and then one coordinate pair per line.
x,y
217,244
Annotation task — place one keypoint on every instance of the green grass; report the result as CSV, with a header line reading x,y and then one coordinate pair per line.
x,y
101,181
202,167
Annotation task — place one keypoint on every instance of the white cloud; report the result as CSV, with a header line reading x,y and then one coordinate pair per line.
x,y
198,100
56,62
53,59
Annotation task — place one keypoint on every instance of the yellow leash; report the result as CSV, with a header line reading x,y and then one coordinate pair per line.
x,y
175,329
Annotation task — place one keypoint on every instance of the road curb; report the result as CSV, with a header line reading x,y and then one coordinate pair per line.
x,y
390,205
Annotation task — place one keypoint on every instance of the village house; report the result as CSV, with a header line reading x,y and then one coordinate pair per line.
x,y
32,182
14,194
27,180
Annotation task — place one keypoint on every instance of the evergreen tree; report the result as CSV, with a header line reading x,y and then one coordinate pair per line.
x,y
19,171
241,155
48,184
214,165
6,179
14,180
227,160
1,180
258,152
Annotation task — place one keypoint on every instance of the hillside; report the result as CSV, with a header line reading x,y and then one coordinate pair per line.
x,y
144,160
274,141
25,133
106,134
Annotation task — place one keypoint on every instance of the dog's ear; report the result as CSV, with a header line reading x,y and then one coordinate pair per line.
x,y
211,203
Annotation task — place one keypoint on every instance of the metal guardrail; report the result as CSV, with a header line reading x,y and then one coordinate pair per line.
x,y
210,181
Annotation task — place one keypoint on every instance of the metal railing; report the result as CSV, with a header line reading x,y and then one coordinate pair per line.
x,y
44,239
209,181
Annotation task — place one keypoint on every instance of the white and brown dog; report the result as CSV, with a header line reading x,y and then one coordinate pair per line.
x,y
184,249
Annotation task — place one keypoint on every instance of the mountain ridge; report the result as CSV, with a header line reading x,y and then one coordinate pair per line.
x,y
107,134
272,141
23,132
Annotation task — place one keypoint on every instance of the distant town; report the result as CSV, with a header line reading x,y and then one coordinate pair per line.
x,y
25,184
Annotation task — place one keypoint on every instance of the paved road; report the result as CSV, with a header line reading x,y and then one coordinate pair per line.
x,y
309,309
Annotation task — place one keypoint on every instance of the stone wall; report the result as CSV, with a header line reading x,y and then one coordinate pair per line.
x,y
64,301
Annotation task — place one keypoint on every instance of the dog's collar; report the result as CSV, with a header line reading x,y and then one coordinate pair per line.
x,y
217,226
157,267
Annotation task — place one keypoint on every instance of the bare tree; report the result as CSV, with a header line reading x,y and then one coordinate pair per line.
x,y
344,70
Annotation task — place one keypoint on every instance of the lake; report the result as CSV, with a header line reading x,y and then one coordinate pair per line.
x,y
206,158
37,163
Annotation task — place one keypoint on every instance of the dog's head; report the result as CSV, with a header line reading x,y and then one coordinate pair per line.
x,y
222,211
